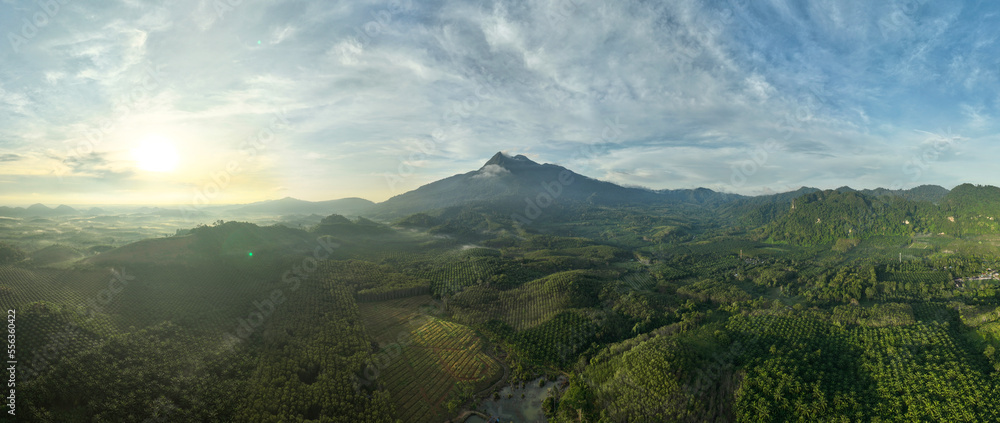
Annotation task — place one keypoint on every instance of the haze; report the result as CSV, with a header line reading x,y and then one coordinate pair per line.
x,y
488,211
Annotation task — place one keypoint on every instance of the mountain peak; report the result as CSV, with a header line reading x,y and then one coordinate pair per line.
x,y
508,162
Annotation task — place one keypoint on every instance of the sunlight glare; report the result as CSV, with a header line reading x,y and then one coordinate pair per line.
x,y
156,153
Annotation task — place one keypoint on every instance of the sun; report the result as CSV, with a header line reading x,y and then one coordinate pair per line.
x,y
156,153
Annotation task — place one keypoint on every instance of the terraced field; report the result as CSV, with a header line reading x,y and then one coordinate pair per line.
x,y
429,365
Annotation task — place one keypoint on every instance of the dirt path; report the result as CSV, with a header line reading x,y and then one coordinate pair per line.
x,y
483,393
465,414
503,380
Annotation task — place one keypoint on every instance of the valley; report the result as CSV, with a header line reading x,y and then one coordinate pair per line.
x,y
610,305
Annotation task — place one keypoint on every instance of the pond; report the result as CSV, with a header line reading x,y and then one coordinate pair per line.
x,y
515,408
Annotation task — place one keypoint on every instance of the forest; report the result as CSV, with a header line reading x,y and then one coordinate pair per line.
x,y
836,306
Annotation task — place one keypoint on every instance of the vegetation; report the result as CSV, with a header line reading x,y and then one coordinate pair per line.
x,y
10,254
853,306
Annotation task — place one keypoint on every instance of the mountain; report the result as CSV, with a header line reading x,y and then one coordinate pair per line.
x,y
288,205
518,162
519,184
63,210
38,210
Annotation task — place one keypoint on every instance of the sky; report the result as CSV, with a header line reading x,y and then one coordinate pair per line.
x,y
230,101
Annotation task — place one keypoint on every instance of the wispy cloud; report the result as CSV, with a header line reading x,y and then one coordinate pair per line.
x,y
840,87
94,165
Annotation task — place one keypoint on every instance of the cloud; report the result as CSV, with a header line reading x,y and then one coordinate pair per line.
x,y
435,88
491,171
92,165
9,157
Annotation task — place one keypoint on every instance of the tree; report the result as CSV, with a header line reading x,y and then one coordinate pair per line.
x,y
10,254
577,402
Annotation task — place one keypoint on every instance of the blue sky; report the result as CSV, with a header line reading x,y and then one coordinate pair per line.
x,y
322,100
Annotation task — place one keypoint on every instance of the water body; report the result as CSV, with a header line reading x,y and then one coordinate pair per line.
x,y
515,408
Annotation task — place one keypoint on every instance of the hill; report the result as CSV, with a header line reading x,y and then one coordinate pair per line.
x,y
761,210
337,225
825,216
928,193
54,254
39,210
226,241
970,200
10,254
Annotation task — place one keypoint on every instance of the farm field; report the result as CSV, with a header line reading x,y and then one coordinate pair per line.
x,y
428,365
20,286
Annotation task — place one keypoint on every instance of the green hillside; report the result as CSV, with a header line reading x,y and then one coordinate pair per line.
x,y
805,306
